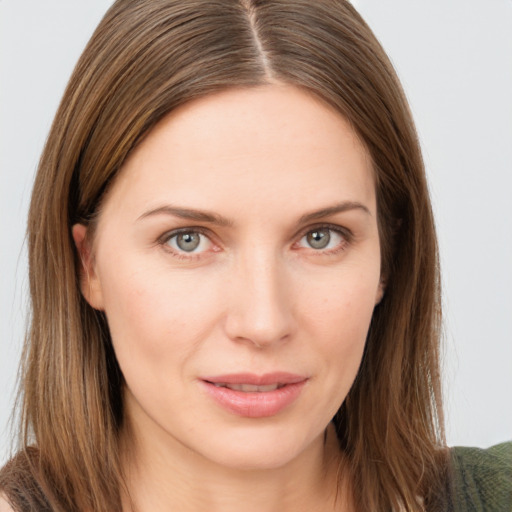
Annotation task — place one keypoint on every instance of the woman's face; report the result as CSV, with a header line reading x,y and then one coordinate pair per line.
x,y
237,261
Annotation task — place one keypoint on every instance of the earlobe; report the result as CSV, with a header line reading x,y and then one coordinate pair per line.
x,y
380,291
89,282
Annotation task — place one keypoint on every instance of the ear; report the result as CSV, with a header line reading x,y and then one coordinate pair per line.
x,y
380,291
90,284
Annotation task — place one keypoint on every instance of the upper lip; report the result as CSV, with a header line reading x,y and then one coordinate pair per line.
x,y
256,380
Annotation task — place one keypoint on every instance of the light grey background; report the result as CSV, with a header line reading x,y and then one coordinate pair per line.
x,y
455,60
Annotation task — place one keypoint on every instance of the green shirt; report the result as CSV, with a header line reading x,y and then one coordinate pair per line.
x,y
482,479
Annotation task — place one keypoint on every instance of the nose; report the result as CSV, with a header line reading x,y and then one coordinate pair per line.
x,y
260,302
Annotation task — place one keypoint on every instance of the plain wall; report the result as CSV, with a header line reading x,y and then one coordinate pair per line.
x,y
455,60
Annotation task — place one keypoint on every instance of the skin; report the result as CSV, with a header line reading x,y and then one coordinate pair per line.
x,y
4,504
255,296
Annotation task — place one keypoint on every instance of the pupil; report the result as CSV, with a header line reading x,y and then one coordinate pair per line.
x,y
319,239
188,241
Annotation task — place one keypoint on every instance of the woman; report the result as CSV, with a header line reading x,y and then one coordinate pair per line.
x,y
234,274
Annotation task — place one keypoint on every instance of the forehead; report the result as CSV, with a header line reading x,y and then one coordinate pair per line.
x,y
247,148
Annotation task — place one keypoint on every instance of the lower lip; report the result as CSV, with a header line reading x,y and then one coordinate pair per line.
x,y
255,405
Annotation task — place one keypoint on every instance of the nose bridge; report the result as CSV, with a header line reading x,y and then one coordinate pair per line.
x,y
260,305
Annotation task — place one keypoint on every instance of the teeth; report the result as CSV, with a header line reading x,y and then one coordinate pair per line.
x,y
269,387
249,388
246,388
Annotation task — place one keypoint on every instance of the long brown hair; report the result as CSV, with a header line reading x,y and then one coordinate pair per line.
x,y
146,58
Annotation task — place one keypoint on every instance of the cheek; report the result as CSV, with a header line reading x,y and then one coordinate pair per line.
x,y
339,319
156,318
342,306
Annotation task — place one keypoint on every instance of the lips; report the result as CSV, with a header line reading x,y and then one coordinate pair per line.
x,y
255,396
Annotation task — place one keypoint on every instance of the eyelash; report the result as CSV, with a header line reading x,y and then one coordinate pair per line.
x,y
345,233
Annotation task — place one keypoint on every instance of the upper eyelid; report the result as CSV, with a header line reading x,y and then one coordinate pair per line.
x,y
301,232
188,229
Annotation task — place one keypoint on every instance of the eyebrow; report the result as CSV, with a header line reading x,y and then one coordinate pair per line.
x,y
190,214
344,206
219,220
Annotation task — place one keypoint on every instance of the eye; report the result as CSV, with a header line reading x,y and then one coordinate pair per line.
x,y
187,241
323,238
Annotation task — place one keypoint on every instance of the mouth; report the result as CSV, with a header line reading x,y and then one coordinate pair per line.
x,y
248,388
254,396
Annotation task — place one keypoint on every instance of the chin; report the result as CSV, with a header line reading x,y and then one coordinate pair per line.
x,y
259,448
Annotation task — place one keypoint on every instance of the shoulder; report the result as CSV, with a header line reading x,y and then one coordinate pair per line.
x,y
482,478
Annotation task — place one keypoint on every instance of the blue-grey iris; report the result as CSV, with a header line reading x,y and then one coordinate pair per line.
x,y
188,241
319,239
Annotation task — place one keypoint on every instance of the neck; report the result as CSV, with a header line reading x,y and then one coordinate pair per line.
x,y
163,474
